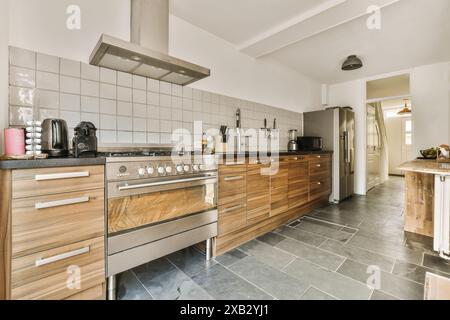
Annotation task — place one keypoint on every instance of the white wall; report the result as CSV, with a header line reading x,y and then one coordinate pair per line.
x,y
41,26
353,94
430,98
4,39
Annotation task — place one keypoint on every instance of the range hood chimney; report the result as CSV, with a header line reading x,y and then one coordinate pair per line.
x,y
147,53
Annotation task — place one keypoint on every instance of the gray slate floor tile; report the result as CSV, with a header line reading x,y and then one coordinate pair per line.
x,y
222,284
269,255
301,235
230,257
271,238
436,263
324,229
190,261
327,281
358,254
318,256
315,294
391,284
380,295
273,281
129,288
414,272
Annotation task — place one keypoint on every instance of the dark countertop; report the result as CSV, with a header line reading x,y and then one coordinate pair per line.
x,y
50,163
280,153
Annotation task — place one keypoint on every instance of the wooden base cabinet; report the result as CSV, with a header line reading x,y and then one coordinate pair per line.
x,y
53,239
252,204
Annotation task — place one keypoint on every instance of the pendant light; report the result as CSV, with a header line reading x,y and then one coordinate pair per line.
x,y
352,63
406,110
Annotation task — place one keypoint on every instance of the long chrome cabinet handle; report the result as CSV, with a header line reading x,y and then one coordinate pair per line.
x,y
58,176
233,178
161,183
233,208
62,256
59,203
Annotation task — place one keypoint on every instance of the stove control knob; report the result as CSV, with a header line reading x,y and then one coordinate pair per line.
x,y
186,168
195,168
141,171
179,168
169,169
161,170
150,170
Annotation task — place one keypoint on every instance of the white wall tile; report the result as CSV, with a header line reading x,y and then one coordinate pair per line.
x,y
18,116
108,76
187,116
124,94
124,108
90,72
108,122
124,137
177,125
90,104
139,110
46,80
152,85
187,93
165,100
197,94
165,113
108,91
124,79
90,88
91,117
165,125
72,118
48,114
197,106
48,99
139,96
177,114
45,62
124,123
22,58
187,104
70,68
108,106
152,125
22,77
166,138
153,137
153,112
177,90
139,124
107,136
165,88
70,84
139,82
207,96
22,96
139,137
153,98
70,102
177,102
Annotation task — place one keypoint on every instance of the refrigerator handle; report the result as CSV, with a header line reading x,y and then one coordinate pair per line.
x,y
346,148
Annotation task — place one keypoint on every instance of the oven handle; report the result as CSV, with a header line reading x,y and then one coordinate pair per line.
x,y
161,183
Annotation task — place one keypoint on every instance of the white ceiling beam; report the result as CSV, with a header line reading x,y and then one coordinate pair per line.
x,y
326,16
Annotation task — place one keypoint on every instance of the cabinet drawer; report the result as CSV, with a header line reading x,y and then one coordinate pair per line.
x,y
232,217
320,157
319,168
42,223
36,182
232,184
319,186
94,293
52,274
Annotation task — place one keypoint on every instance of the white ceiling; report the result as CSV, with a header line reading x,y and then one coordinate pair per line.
x,y
315,36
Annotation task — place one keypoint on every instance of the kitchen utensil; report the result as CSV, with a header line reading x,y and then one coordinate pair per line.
x,y
55,141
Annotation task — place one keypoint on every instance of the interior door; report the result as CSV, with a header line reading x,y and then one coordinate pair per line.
x,y
373,149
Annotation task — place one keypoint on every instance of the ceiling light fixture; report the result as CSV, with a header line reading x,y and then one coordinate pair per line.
x,y
352,63
406,110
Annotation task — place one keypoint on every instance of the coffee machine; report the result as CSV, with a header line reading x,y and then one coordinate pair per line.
x,y
293,145
85,140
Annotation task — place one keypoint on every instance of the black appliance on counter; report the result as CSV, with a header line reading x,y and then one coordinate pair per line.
x,y
85,140
55,139
310,143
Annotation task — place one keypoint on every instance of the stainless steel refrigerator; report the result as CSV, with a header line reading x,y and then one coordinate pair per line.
x,y
337,128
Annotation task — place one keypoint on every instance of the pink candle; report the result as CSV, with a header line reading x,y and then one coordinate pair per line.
x,y
14,141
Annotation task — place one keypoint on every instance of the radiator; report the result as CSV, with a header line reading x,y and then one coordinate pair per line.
x,y
442,216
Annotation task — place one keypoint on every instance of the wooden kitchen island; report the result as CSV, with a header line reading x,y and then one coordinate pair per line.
x,y
427,200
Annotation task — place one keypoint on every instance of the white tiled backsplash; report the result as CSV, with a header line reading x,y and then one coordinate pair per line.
x,y
127,109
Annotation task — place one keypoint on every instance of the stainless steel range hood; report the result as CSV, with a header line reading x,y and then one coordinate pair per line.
x,y
146,54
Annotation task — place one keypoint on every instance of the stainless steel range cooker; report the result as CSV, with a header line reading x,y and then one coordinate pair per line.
x,y
157,204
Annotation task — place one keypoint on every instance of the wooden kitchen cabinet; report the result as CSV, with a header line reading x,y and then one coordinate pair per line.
x,y
279,187
52,230
298,182
258,193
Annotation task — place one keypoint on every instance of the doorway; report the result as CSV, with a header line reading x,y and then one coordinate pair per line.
x,y
388,128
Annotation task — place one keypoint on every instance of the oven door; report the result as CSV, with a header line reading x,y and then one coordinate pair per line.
x,y
140,203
